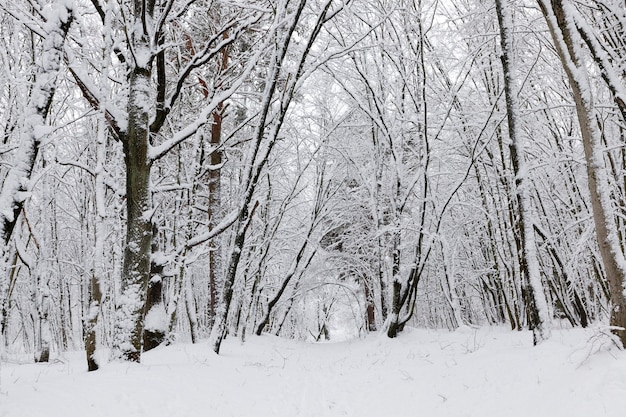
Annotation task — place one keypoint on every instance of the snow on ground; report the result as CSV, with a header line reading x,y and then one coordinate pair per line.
x,y
486,372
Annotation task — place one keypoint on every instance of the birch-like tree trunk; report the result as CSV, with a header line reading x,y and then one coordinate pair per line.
x,y
536,304
97,272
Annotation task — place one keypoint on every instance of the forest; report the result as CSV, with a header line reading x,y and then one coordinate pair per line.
x,y
189,170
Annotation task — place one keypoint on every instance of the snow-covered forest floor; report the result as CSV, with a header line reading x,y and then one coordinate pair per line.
x,y
485,372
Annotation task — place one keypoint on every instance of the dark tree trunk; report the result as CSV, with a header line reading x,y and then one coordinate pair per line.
x,y
369,309
154,335
394,324
89,326
136,266
214,208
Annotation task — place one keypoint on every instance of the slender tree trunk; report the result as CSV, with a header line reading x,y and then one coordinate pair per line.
x,y
370,304
536,304
448,286
43,335
94,292
190,307
218,332
13,272
293,271
215,196
90,321
214,208
570,288
405,291
175,297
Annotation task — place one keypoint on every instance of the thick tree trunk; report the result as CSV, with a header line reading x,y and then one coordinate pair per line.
x,y
15,185
155,319
394,318
400,289
566,41
6,303
136,266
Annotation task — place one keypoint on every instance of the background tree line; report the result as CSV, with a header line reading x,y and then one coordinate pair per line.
x,y
311,168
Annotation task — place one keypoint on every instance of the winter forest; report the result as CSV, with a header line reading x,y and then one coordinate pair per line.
x,y
177,171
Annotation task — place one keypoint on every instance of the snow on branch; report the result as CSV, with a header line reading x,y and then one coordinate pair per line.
x,y
116,122
199,59
157,152
602,59
221,227
15,188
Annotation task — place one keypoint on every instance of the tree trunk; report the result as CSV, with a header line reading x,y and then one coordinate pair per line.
x,y
136,266
94,292
218,332
214,208
190,307
155,320
43,335
536,304
259,156
369,304
90,321
215,195
566,41
290,274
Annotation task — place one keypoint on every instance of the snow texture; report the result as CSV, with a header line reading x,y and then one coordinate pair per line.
x,y
482,373
156,319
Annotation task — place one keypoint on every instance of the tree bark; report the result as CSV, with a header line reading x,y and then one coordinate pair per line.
x,y
155,318
90,321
